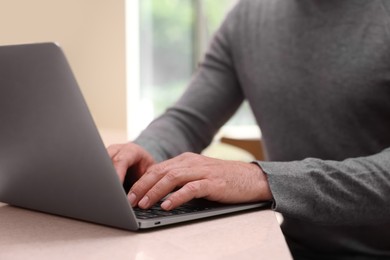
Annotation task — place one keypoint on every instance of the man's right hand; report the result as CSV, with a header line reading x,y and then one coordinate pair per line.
x,y
130,156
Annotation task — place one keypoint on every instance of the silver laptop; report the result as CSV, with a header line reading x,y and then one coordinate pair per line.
x,y
52,158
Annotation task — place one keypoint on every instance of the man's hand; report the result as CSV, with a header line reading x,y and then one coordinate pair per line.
x,y
130,156
197,176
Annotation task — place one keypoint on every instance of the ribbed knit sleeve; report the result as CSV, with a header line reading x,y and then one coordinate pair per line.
x,y
352,192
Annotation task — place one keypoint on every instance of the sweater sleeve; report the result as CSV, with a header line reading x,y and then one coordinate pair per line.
x,y
350,192
211,98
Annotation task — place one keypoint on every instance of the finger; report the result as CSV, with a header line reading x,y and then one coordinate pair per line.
x,y
113,149
157,183
121,169
192,190
119,165
122,160
144,185
162,178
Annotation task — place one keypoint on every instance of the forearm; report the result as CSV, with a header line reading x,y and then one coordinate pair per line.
x,y
350,192
212,97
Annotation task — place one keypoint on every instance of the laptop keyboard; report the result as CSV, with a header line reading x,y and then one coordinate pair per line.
x,y
157,212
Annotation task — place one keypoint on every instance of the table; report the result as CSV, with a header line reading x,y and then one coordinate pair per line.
x,y
33,235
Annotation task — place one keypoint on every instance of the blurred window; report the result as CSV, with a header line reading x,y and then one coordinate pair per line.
x,y
173,36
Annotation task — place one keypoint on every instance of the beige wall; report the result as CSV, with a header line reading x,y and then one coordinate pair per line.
x,y
92,34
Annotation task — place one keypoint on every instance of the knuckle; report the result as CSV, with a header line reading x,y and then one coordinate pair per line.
x,y
158,172
193,187
121,155
172,176
153,194
138,188
113,149
187,155
156,169
117,158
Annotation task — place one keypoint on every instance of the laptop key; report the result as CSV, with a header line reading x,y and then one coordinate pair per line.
x,y
157,211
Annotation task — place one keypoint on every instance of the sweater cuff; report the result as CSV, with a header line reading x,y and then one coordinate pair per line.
x,y
285,184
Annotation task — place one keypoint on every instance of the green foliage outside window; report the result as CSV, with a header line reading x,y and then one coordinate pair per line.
x,y
167,47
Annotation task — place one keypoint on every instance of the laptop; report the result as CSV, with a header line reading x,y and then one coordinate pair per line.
x,y
52,158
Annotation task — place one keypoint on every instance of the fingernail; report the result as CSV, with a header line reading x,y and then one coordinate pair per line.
x,y
144,203
167,204
131,197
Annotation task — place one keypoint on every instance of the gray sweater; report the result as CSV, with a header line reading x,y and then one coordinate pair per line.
x,y
316,74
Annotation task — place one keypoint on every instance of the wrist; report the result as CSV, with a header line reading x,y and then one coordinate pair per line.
x,y
264,187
